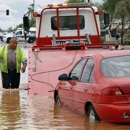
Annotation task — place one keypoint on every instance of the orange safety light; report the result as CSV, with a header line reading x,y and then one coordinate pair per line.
x,y
65,4
99,12
35,14
54,5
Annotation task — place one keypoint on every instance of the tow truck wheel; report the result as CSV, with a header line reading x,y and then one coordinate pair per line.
x,y
92,115
8,39
58,102
31,40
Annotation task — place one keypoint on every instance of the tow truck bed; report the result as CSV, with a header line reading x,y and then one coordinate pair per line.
x,y
53,63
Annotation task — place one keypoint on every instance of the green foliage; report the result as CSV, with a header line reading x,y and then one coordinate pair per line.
x,y
20,25
118,9
31,8
32,21
121,12
109,6
1,30
118,41
75,1
102,39
10,29
127,36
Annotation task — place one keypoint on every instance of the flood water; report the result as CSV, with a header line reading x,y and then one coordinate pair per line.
x,y
20,111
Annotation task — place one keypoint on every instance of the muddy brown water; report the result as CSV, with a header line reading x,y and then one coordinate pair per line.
x,y
20,111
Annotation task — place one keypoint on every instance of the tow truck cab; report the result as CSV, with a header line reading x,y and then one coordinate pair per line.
x,y
67,21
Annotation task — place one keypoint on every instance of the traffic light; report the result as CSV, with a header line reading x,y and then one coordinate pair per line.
x,y
26,23
7,12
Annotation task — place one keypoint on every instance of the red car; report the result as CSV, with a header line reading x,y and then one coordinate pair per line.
x,y
98,86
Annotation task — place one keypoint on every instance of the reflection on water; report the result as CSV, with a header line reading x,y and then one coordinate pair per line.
x,y
18,111
9,113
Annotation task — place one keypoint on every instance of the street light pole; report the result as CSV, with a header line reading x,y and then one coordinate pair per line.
x,y
33,5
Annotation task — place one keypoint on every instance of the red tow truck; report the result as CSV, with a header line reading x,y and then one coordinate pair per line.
x,y
64,32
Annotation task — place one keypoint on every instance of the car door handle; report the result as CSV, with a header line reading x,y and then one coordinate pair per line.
x,y
71,87
86,89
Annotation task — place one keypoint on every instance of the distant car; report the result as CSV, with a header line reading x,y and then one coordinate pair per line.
x,y
98,86
30,37
7,37
2,36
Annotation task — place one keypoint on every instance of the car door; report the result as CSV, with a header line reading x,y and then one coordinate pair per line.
x,y
20,36
84,87
67,87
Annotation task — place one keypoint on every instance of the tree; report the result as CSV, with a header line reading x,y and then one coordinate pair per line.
x,y
75,1
1,30
121,12
32,21
20,25
109,6
10,29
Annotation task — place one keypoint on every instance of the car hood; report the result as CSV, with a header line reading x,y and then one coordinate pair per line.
x,y
8,34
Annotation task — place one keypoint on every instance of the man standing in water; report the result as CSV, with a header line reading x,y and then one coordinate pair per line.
x,y
11,58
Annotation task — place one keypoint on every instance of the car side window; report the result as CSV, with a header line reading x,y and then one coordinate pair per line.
x,y
87,75
18,33
75,73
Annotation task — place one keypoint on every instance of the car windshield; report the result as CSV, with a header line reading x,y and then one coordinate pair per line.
x,y
116,66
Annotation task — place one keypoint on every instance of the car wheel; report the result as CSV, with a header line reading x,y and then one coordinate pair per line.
x,y
57,100
31,40
92,115
8,39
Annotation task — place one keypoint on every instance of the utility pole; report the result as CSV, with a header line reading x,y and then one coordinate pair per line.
x,y
33,5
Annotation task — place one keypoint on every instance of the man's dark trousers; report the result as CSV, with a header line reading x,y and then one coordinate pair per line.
x,y
10,79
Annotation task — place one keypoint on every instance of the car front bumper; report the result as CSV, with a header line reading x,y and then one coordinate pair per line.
x,y
4,39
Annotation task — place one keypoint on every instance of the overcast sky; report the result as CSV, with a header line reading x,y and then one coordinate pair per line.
x,y
18,8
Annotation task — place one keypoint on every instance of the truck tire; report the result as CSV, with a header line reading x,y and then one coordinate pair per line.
x,y
8,39
31,40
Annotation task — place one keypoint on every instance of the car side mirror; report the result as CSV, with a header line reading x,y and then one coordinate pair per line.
x,y
26,23
63,77
106,20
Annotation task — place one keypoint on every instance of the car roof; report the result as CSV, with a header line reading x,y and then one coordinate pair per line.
x,y
106,53
113,53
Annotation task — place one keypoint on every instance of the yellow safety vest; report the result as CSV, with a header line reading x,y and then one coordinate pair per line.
x,y
20,57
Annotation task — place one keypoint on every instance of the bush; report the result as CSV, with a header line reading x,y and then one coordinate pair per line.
x,y
102,39
118,41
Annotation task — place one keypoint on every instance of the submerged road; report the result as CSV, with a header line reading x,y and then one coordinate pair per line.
x,y
20,111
